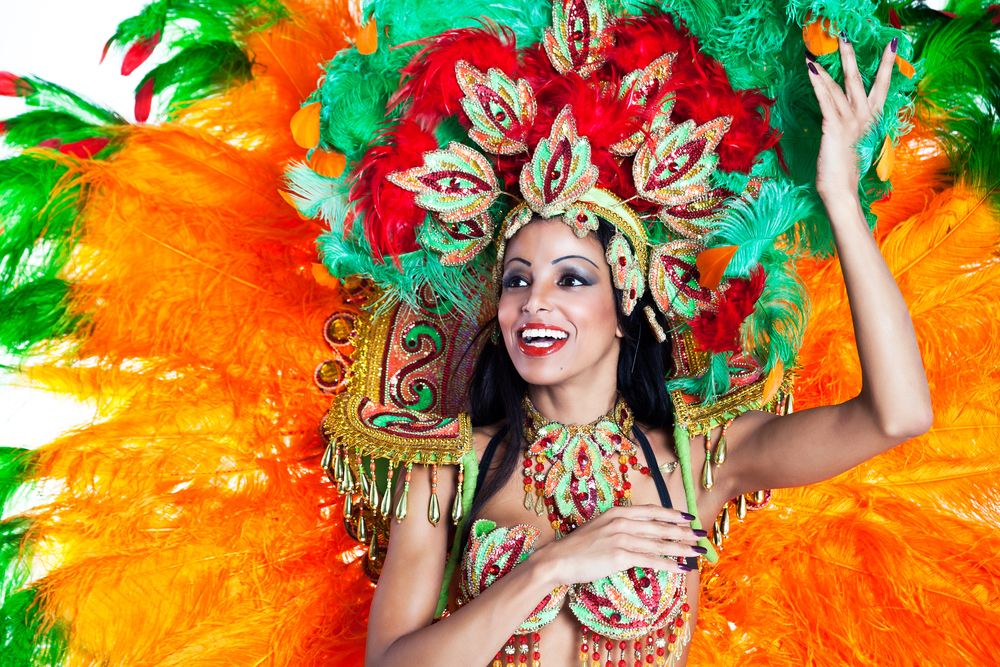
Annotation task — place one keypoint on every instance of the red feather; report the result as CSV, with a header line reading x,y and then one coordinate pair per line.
x,y
700,84
54,143
14,86
85,148
391,215
719,331
107,47
429,78
138,53
144,100
894,19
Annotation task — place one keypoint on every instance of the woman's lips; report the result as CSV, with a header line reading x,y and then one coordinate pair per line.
x,y
543,346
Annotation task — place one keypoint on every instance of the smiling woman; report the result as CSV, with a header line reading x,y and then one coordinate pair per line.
x,y
555,316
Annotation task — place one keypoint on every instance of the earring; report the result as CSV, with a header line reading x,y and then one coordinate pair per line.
x,y
654,325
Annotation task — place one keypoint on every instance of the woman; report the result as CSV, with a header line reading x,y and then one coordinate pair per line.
x,y
555,285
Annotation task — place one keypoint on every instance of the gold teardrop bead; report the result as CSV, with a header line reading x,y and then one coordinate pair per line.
x,y
540,506
707,479
362,482
327,460
724,521
528,502
401,507
720,451
373,495
758,497
386,507
741,507
348,505
373,549
457,510
434,510
717,534
362,529
348,479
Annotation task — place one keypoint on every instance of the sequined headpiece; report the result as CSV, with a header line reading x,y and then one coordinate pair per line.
x,y
597,116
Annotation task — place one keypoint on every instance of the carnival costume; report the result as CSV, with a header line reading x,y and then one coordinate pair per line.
x,y
170,275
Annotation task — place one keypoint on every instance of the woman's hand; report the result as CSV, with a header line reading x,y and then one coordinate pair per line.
x,y
847,117
621,538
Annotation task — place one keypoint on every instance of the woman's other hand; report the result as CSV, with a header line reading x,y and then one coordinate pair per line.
x,y
847,116
619,539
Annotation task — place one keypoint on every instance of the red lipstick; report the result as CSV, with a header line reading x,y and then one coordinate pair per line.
x,y
540,340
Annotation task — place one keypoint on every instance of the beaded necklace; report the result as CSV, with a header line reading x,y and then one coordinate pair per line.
x,y
583,480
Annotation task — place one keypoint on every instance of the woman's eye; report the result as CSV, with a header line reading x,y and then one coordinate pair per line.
x,y
515,281
573,280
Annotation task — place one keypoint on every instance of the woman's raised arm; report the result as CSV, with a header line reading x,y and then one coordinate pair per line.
x,y
894,403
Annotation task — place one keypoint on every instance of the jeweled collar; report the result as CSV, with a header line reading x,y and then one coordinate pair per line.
x,y
618,418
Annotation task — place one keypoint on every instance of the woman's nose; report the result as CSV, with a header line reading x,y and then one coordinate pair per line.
x,y
537,299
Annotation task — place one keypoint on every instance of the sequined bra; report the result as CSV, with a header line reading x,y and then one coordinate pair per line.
x,y
625,605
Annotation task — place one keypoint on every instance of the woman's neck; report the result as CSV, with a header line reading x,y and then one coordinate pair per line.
x,y
574,403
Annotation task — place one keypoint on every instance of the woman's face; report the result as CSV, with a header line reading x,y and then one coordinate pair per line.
x,y
557,312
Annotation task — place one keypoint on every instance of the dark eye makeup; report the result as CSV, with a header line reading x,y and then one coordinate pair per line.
x,y
568,278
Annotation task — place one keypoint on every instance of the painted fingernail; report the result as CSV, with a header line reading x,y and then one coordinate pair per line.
x,y
812,68
684,566
689,517
700,550
894,43
810,57
698,532
843,36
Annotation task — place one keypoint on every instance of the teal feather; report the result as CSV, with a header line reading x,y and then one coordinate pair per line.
x,y
775,329
354,97
714,382
755,224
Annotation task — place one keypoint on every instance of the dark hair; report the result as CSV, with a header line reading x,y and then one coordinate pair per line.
x,y
496,389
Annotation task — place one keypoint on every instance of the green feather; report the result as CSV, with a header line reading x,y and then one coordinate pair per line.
x,y
40,232
33,127
200,70
25,641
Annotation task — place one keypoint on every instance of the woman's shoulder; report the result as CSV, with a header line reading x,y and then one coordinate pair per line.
x,y
482,435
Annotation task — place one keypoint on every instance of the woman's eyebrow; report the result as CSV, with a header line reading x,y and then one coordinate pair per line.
x,y
574,257
518,259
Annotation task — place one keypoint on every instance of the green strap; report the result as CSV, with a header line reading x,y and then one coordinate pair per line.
x,y
468,490
683,444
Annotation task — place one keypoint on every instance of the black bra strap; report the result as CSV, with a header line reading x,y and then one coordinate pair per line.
x,y
654,470
487,459
661,485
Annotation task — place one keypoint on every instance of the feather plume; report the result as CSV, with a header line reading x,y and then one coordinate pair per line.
x,y
429,81
391,214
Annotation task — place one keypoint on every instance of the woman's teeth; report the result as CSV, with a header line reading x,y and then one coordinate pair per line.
x,y
542,337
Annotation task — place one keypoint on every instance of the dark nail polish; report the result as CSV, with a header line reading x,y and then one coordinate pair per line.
x,y
894,44
684,567
700,533
812,68
843,36
810,57
689,517
700,550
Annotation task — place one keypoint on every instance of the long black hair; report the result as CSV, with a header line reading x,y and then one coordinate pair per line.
x,y
496,389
